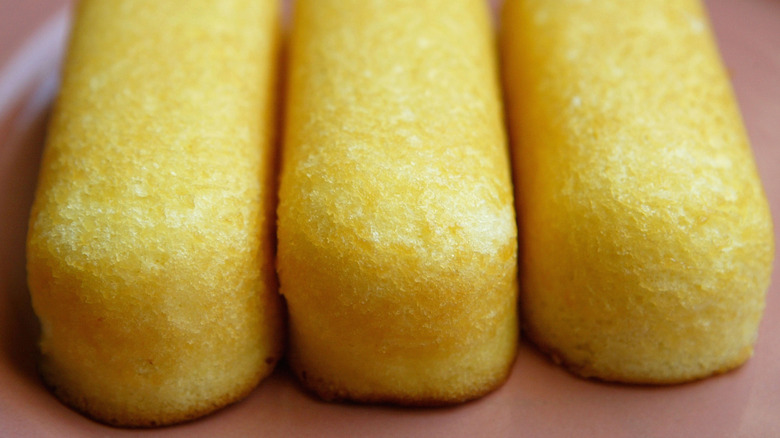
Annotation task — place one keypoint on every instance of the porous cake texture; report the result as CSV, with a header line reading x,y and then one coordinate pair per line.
x,y
396,226
646,237
150,243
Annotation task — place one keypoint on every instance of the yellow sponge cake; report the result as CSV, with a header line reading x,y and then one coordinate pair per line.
x,y
396,227
646,237
150,243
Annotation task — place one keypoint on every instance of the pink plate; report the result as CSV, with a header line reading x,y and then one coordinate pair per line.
x,y
540,399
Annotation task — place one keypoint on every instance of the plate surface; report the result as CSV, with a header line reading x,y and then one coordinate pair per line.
x,y
540,399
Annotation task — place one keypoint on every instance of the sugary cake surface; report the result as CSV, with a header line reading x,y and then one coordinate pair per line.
x,y
149,251
646,236
397,237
